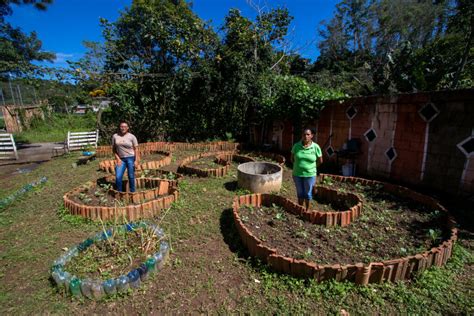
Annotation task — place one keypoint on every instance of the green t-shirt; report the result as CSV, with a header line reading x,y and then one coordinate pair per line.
x,y
304,164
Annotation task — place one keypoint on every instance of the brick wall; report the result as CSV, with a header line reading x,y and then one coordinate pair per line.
x,y
422,139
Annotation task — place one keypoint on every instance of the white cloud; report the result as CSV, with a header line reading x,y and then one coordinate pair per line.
x,y
62,57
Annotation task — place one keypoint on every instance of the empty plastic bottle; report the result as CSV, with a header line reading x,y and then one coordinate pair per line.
x,y
75,287
59,277
150,263
86,288
67,279
122,283
158,232
164,249
134,278
142,225
59,262
106,234
143,271
130,226
159,260
110,286
97,290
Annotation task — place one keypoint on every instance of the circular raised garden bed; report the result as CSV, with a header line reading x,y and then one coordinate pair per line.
x,y
154,160
99,200
260,177
112,261
372,249
205,165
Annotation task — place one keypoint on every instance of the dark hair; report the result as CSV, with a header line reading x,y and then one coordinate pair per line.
x,y
121,122
308,129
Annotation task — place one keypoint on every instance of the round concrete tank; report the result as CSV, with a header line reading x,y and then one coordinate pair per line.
x,y
260,177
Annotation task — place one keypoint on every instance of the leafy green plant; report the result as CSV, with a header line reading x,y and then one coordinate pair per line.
x,y
435,235
328,181
280,216
308,253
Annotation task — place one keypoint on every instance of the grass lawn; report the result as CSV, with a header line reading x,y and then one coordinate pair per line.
x,y
208,271
55,128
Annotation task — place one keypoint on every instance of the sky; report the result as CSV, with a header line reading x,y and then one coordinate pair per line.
x,y
67,23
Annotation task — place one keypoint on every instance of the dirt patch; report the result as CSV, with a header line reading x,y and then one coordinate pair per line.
x,y
152,157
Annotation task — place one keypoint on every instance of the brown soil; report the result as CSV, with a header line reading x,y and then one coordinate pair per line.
x,y
152,157
388,228
205,163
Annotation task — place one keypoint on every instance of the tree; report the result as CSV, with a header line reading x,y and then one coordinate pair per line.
x,y
18,49
396,46
154,44
188,84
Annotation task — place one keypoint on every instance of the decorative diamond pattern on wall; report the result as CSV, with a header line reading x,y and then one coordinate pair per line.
x,y
330,151
351,112
467,146
428,112
391,154
370,135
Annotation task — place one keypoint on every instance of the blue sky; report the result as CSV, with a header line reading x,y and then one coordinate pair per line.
x,y
67,23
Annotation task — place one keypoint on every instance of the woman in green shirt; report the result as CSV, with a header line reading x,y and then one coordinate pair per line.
x,y
305,154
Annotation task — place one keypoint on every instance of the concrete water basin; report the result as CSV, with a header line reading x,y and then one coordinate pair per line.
x,y
260,177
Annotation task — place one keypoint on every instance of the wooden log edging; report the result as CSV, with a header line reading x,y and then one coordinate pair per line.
x,y
147,148
109,165
375,272
151,202
215,172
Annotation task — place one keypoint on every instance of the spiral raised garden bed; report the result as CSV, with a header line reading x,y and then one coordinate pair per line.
x,y
92,285
187,166
260,177
146,164
396,269
151,197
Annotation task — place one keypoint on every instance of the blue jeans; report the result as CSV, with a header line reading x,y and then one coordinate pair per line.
x,y
129,163
304,187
